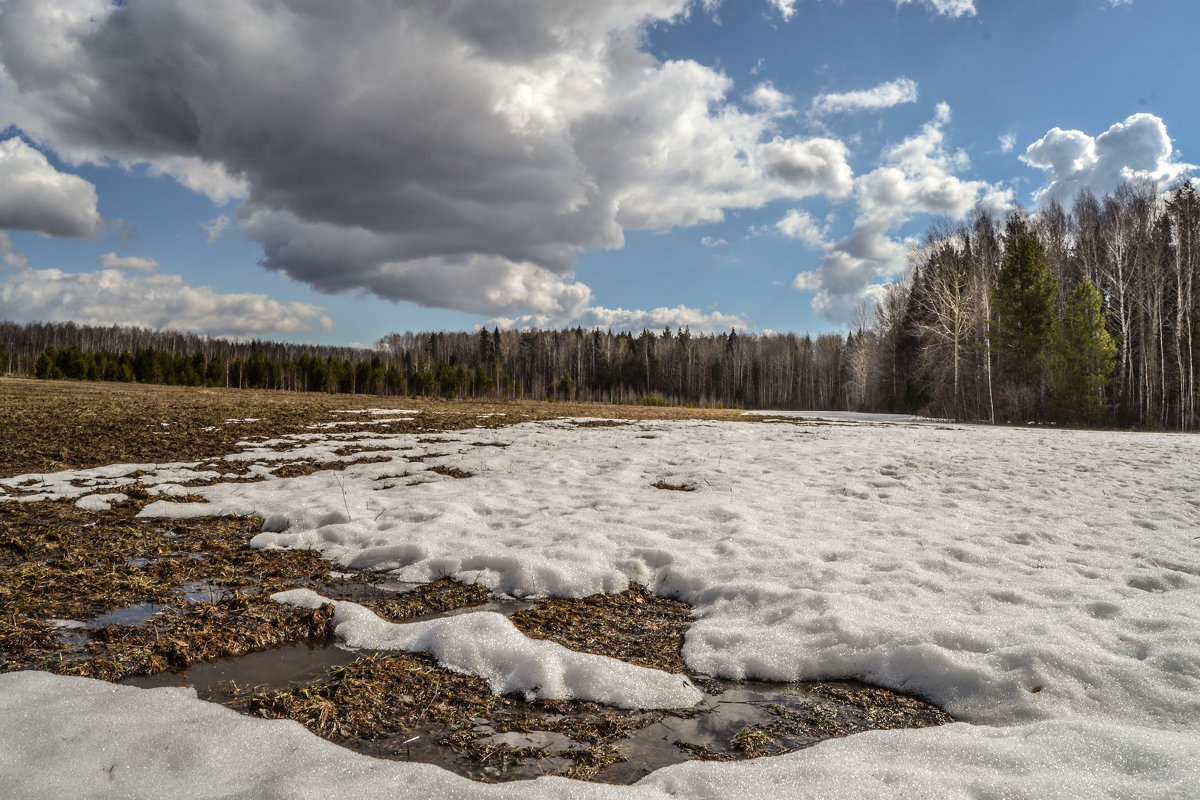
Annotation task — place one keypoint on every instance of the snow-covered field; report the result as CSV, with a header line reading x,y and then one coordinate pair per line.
x,y
1042,586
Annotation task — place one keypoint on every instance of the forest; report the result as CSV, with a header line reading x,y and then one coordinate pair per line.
x,y
1086,316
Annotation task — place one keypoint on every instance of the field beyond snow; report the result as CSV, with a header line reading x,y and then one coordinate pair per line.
x,y
1041,586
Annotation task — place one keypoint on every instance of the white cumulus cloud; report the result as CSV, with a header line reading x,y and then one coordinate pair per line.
x,y
36,197
885,95
917,176
800,225
133,263
112,297
1136,149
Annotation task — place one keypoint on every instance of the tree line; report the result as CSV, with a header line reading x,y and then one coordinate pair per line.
x,y
1086,316
670,367
1081,316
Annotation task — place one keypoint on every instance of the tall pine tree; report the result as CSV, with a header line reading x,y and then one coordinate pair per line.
x,y
1023,302
1083,358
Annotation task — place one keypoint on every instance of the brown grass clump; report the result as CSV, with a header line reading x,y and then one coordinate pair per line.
x,y
432,598
296,469
634,626
450,472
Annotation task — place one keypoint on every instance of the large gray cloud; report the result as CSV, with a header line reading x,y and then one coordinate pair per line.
x,y
454,153
1136,149
36,197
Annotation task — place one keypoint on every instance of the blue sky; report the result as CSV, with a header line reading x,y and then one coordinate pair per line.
x,y
333,173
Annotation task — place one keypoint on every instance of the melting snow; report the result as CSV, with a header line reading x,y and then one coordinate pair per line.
x,y
1041,585
488,645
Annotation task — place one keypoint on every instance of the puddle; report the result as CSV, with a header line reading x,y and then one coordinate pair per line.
x,y
205,592
136,614
268,670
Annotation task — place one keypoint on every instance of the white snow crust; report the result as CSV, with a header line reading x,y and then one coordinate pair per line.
x,y
486,644
1041,585
76,737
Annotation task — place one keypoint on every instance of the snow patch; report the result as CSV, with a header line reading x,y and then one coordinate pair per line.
x,y
486,644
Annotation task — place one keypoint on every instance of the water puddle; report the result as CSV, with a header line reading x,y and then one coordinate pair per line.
x,y
136,614
268,670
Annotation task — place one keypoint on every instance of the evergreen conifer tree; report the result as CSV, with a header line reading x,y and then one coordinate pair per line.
x,y
1023,302
1083,360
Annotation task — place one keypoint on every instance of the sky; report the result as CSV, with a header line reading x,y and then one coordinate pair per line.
x,y
331,173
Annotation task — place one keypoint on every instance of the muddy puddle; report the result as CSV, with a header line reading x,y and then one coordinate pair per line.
x,y
403,706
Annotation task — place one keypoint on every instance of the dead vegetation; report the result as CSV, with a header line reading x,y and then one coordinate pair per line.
x,y
450,472
195,588
56,425
673,487
634,626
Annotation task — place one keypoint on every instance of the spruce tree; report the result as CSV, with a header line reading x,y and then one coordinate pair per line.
x,y
1084,357
1023,302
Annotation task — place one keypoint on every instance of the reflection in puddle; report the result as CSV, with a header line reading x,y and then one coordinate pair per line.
x,y
268,670
136,614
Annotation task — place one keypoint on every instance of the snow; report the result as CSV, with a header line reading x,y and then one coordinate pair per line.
x,y
1041,585
75,737
100,502
488,645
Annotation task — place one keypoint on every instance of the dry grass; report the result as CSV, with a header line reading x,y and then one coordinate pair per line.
x,y
209,589
57,425
673,487
634,626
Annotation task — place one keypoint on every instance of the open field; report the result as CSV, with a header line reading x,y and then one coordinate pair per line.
x,y
107,593
1040,586
56,425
